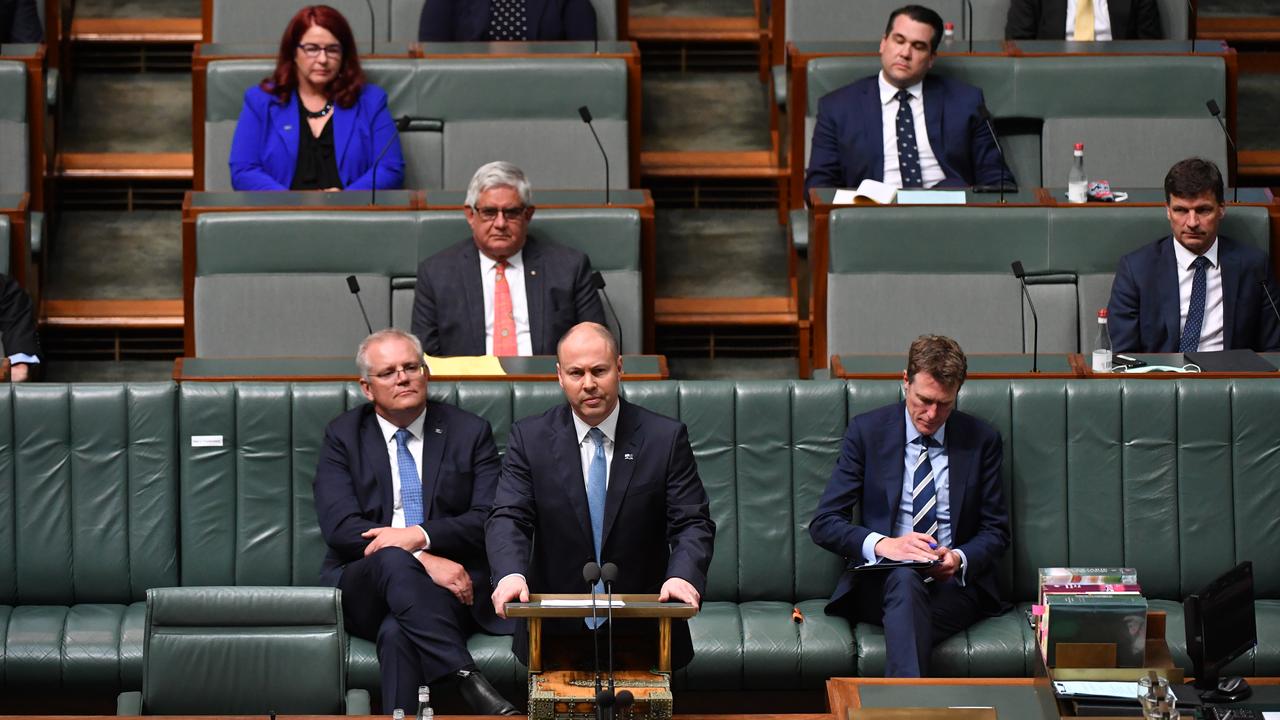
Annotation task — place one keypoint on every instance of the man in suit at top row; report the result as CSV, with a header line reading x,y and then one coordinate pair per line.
x,y
904,127
20,22
926,480
502,291
1193,289
1083,20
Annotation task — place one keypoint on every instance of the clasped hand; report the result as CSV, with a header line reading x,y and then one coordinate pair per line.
x,y
919,547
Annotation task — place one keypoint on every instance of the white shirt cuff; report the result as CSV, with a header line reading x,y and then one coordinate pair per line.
x,y
18,358
964,566
869,548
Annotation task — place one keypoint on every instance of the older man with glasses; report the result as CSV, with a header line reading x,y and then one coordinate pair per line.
x,y
502,291
402,491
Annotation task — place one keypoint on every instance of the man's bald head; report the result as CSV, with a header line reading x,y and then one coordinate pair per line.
x,y
592,328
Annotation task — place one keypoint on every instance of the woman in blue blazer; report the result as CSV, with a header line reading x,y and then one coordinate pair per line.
x,y
315,124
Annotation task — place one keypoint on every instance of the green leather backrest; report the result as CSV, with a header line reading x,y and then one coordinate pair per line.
x,y
88,492
994,75
13,87
245,21
14,152
226,81
244,651
1117,86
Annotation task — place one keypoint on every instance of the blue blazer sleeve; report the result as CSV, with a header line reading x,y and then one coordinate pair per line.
x,y
357,167
1123,310
826,170
251,165
832,527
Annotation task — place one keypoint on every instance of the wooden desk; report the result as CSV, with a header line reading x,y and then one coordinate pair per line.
x,y
343,369
982,366
1177,360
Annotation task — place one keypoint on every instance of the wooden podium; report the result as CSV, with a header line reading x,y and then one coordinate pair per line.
x,y
569,693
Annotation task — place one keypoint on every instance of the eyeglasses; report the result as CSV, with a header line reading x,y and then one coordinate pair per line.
x,y
313,50
394,373
511,214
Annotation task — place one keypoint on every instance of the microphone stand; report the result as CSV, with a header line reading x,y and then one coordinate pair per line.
x,y
1021,274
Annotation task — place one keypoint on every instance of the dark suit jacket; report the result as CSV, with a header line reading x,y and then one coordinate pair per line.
x,y
448,300
462,20
657,521
264,149
17,319
869,476
1144,314
848,140
353,492
20,22
1047,20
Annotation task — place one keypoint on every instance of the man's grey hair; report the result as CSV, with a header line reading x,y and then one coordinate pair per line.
x,y
499,174
362,352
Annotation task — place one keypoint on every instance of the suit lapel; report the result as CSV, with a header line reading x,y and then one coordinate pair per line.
x,y
535,9
959,471
626,448
875,139
565,451
344,120
434,437
473,290
1229,266
1171,304
375,453
287,123
534,290
893,462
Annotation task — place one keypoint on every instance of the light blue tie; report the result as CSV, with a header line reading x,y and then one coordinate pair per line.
x,y
596,474
410,484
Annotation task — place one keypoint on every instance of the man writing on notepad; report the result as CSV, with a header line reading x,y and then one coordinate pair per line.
x,y
926,480
904,127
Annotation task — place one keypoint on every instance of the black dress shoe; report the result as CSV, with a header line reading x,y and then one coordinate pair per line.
x,y
481,697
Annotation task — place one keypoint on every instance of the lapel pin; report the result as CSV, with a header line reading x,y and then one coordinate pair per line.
x,y
439,431
628,456
533,272
288,127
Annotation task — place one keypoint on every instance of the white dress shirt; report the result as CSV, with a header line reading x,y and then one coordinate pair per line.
x,y
930,170
1101,20
519,302
587,449
414,444
1211,328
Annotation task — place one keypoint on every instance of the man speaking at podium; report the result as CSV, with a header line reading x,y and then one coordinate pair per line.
x,y
598,480
927,481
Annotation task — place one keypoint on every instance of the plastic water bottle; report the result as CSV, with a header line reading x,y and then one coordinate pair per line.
x,y
397,714
424,704
1102,348
948,36
1077,181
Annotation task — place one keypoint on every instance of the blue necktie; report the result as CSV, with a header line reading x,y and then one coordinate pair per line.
x,y
596,475
410,484
1195,309
924,493
908,153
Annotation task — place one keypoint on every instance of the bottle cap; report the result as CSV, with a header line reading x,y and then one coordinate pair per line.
x,y
1102,314
1079,147
949,27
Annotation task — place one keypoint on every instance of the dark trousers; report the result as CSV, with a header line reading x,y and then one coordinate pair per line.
x,y
421,629
915,615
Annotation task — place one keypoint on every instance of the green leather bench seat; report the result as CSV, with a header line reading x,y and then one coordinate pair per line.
x,y
466,115
924,269
14,152
1133,131
109,496
282,269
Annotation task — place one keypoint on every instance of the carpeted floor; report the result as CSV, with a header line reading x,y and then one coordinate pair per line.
x,y
720,253
103,255
129,112
704,111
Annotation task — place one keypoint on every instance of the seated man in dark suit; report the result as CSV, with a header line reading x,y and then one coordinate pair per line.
x,y
18,330
599,480
1083,20
20,22
1193,290
501,291
463,20
402,490
904,127
927,481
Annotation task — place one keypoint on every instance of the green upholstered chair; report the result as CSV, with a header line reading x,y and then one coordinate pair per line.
x,y
244,651
14,152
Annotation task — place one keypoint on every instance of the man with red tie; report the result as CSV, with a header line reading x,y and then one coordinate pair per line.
x,y
503,291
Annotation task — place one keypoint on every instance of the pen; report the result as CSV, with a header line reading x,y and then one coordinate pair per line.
x,y
933,546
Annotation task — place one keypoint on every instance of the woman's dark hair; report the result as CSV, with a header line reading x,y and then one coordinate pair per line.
x,y
346,84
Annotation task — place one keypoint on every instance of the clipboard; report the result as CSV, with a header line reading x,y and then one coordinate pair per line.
x,y
893,565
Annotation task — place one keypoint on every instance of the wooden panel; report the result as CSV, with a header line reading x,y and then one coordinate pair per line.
x,y
1232,28
136,30
113,313
161,166
759,164
717,29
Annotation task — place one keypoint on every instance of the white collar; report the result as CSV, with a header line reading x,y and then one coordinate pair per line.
x,y
389,430
608,426
515,262
888,91
1185,257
